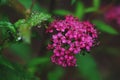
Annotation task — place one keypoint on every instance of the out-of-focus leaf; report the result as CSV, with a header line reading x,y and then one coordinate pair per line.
x,y
61,12
7,31
18,73
2,2
56,74
21,49
88,67
28,3
25,26
95,7
5,24
73,1
96,4
38,8
36,61
90,9
105,27
112,50
4,17
79,10
33,64
10,71
25,32
5,63
19,22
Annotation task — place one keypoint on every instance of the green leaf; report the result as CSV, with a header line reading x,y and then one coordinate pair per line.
x,y
27,4
79,10
88,67
37,18
19,22
24,30
4,17
73,1
96,4
104,27
112,50
24,26
38,8
33,64
5,62
56,74
90,9
36,61
13,71
21,49
2,2
95,7
7,31
61,12
5,24
18,74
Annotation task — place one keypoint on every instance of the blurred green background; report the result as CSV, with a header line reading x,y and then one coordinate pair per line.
x,y
28,58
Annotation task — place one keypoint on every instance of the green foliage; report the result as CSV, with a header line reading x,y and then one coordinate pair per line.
x,y
28,3
38,8
79,10
10,71
96,4
88,67
37,18
61,12
2,2
112,51
56,74
19,22
21,49
33,64
95,7
36,61
7,31
90,9
105,27
4,17
73,1
5,63
33,20
7,25
24,25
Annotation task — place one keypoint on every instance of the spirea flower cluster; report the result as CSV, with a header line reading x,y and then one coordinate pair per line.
x,y
113,14
70,37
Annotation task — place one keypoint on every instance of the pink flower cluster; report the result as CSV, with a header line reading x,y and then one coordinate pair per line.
x,y
113,14
70,37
